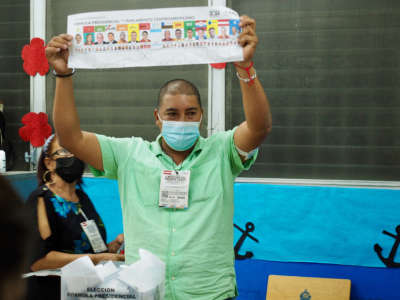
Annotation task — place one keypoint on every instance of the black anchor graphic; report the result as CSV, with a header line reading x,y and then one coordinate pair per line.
x,y
305,295
245,233
389,261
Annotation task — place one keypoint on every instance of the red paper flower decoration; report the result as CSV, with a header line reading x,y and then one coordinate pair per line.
x,y
218,65
36,129
34,56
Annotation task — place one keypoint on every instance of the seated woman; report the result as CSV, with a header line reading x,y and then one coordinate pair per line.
x,y
63,213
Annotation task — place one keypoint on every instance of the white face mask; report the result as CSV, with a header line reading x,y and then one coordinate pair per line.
x,y
179,135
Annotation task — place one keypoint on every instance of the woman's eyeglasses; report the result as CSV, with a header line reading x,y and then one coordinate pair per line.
x,y
61,152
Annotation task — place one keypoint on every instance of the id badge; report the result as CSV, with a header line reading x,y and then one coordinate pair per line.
x,y
93,234
174,189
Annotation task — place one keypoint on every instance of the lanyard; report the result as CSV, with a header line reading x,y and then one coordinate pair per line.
x,y
83,214
88,226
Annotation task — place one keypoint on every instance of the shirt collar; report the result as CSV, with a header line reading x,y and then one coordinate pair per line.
x,y
157,150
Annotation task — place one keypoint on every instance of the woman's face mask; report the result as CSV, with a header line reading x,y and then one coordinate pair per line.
x,y
69,169
179,135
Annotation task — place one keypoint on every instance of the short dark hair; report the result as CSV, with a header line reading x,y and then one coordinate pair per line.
x,y
16,232
178,87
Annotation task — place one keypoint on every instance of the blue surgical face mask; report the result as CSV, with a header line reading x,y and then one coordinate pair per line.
x,y
180,136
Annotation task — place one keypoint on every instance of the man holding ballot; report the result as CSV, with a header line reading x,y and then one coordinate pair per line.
x,y
177,191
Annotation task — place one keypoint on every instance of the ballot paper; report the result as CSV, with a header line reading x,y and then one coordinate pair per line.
x,y
154,37
142,280
80,274
146,274
43,273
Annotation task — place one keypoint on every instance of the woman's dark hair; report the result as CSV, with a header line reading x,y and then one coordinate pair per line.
x,y
16,232
41,166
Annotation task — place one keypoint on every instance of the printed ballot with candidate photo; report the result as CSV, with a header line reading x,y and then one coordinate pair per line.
x,y
154,37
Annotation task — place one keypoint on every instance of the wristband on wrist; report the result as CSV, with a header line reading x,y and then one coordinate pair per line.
x,y
246,155
250,79
64,75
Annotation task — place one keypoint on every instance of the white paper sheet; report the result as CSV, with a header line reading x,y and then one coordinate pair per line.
x,y
88,274
43,273
154,37
145,274
143,280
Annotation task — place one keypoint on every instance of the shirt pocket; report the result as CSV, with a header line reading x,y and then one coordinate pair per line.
x,y
205,181
145,185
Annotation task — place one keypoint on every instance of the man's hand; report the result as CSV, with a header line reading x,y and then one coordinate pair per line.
x,y
247,39
57,53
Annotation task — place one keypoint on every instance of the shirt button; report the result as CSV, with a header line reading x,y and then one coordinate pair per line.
x,y
173,278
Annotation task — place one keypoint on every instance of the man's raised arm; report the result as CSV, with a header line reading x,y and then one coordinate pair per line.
x,y
83,145
251,133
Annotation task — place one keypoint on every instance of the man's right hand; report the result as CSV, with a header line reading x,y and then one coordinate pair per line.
x,y
57,53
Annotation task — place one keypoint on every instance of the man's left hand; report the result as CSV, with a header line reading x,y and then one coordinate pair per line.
x,y
247,39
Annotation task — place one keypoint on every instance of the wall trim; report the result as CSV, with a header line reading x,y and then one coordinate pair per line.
x,y
216,92
323,182
37,83
277,181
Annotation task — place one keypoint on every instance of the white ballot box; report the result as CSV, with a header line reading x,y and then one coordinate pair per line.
x,y
142,280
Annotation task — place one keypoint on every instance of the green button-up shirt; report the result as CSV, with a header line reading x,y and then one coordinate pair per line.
x,y
195,243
